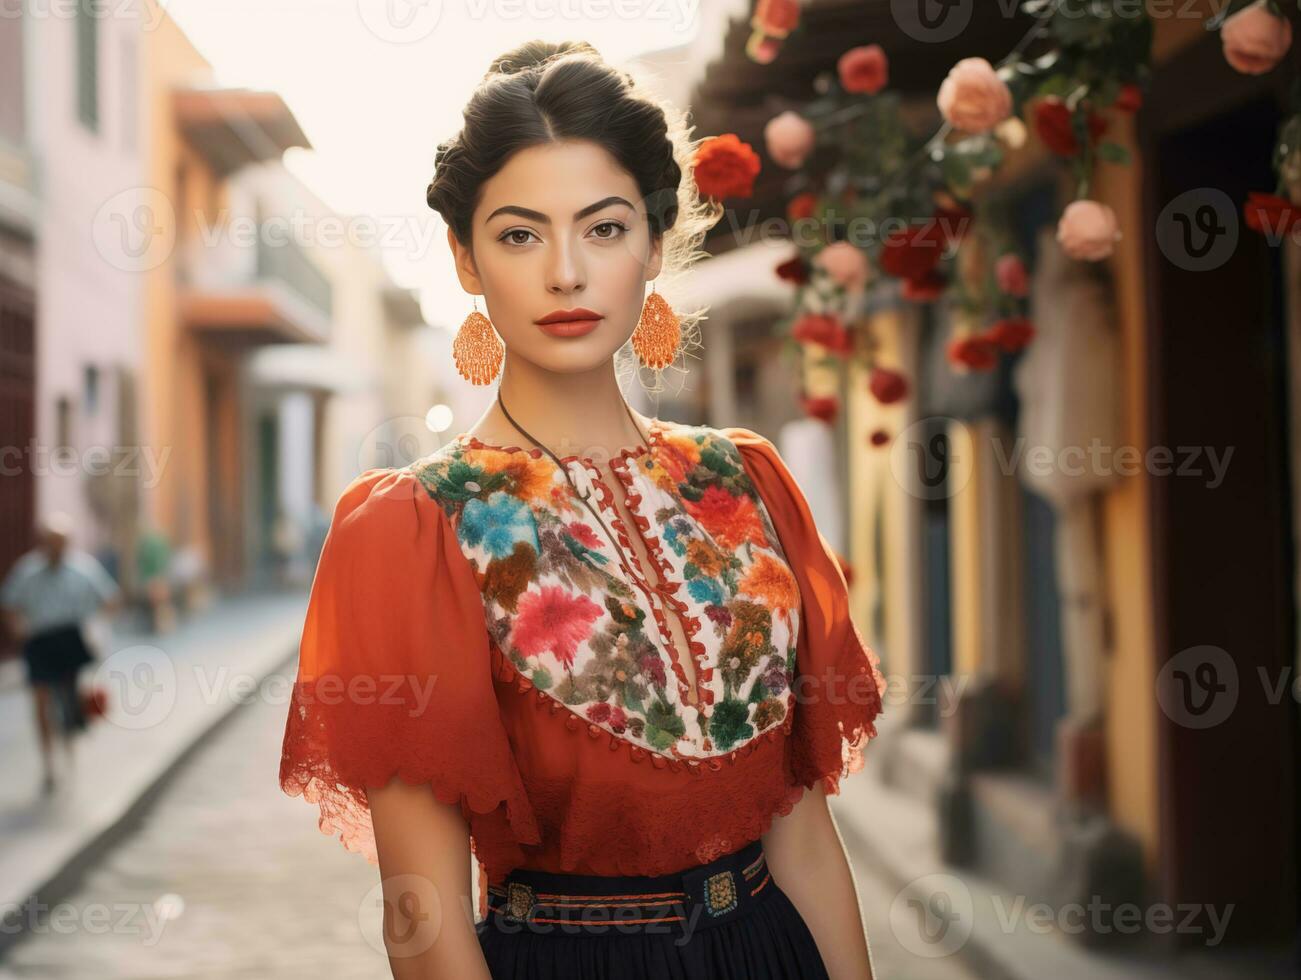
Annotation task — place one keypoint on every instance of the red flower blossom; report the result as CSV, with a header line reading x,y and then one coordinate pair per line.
x,y
1130,98
793,270
1269,214
887,386
974,352
912,252
598,712
801,206
1053,123
776,18
584,535
552,619
731,520
618,719
826,331
653,667
726,167
1012,333
863,69
825,407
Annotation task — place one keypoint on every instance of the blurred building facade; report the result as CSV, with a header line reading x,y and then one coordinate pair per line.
x,y
1040,631
155,253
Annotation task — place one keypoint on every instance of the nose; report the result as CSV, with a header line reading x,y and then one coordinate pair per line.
x,y
564,273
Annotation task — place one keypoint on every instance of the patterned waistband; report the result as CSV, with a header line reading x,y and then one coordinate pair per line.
x,y
700,897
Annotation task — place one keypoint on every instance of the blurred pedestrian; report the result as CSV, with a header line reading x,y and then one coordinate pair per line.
x,y
48,595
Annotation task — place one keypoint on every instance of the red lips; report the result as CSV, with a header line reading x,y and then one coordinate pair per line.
x,y
569,323
560,316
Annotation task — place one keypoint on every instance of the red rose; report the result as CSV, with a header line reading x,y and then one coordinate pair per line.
x,y
826,331
776,18
1129,99
974,352
1269,214
824,408
887,386
801,206
793,270
599,712
864,69
912,252
726,167
1053,123
1012,334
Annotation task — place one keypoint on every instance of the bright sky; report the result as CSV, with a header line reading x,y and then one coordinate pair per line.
x,y
377,84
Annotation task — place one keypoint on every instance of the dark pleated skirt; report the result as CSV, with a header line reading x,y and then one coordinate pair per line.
x,y
726,920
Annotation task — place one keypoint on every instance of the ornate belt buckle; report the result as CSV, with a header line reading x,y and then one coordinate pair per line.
x,y
720,893
519,901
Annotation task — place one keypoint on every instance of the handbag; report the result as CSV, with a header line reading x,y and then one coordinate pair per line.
x,y
94,702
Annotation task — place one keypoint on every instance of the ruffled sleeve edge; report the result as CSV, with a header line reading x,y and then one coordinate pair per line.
x,y
854,722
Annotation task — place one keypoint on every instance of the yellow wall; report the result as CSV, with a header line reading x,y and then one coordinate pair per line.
x,y
1131,678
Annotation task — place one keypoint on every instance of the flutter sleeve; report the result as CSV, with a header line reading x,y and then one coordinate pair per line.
x,y
838,684
394,677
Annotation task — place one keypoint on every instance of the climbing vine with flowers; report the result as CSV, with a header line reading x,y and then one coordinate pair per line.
x,y
876,204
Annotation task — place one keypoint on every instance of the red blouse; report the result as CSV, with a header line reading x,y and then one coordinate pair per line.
x,y
471,627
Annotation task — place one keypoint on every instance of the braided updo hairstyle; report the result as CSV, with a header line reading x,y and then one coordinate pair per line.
x,y
543,92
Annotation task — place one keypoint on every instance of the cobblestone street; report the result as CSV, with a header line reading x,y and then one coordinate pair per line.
x,y
228,878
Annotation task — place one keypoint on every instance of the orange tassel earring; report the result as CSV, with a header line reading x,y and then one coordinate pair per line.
x,y
477,350
658,333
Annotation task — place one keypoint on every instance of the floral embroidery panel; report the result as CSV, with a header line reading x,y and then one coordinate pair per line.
x,y
560,606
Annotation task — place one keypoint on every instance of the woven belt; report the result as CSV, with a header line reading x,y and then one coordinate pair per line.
x,y
704,896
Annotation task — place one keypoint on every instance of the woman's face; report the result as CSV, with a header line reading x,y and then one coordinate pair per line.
x,y
561,227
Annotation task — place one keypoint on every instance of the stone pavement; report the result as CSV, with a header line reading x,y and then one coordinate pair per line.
x,y
165,694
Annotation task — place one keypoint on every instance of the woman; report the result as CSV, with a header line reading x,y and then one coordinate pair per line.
x,y
615,648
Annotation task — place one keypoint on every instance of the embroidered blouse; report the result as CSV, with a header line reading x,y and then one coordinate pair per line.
x,y
471,627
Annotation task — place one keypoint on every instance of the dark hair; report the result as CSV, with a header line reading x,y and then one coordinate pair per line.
x,y
543,92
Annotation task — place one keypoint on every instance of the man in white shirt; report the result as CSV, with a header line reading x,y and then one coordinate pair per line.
x,y
47,595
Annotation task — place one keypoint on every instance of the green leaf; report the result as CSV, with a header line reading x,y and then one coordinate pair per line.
x,y
1113,152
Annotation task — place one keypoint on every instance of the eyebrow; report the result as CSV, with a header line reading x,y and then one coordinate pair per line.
x,y
541,218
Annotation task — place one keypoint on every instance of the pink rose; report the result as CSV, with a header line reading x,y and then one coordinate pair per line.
x,y
973,98
845,264
789,137
762,49
1088,230
1255,40
1009,272
863,69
